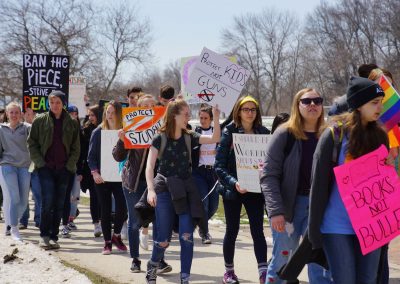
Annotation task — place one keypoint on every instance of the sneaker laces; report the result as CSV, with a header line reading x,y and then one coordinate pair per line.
x,y
152,273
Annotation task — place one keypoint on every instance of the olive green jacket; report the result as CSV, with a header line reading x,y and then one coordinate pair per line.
x,y
41,137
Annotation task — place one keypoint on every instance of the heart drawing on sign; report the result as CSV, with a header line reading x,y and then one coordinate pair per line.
x,y
346,180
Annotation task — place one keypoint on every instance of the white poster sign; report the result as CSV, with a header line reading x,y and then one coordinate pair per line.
x,y
187,65
109,167
216,80
250,152
77,91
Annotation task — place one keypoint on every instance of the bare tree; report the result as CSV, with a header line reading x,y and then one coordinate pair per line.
x,y
263,43
125,38
49,27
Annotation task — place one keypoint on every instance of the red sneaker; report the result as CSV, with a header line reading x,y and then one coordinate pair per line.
x,y
107,248
117,241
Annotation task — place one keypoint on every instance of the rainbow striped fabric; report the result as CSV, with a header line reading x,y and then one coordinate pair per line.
x,y
390,115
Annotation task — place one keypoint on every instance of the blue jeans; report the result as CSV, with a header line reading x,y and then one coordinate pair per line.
x,y
25,216
75,196
165,217
346,261
133,225
17,182
53,188
205,180
284,245
37,195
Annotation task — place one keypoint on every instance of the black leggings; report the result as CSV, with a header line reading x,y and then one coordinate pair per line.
x,y
104,192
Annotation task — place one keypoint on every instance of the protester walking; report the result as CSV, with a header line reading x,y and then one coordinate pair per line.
x,y
329,223
14,164
246,120
285,181
54,149
105,190
173,191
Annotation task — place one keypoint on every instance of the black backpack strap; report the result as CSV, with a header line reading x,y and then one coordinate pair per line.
x,y
337,135
163,145
290,139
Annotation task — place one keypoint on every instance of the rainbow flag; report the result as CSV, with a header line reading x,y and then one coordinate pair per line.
x,y
390,115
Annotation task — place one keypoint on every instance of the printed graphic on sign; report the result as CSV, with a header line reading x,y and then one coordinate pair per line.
x,y
250,152
41,75
216,80
141,125
370,192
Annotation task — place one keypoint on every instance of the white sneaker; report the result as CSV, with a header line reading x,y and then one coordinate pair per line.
x,y
97,230
15,234
144,240
124,231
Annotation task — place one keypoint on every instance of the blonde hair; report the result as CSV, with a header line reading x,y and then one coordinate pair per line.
x,y
173,109
118,115
295,122
13,104
145,97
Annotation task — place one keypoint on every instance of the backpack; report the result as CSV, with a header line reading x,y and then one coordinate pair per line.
x,y
188,142
337,135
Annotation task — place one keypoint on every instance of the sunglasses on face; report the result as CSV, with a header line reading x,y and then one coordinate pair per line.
x,y
248,110
307,101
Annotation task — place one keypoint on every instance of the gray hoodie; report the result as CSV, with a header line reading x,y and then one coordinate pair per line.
x,y
13,145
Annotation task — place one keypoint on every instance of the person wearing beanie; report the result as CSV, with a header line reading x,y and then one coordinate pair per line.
x,y
329,223
54,149
339,106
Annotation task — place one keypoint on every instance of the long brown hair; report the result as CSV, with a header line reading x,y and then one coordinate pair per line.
x,y
362,139
96,111
118,115
173,109
236,113
295,122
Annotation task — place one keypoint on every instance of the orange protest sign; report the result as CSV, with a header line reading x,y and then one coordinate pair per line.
x,y
141,125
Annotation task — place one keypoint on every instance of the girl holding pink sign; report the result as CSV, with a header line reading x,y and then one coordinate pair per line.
x,y
329,223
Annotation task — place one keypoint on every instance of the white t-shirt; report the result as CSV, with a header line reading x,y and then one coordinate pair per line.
x,y
207,151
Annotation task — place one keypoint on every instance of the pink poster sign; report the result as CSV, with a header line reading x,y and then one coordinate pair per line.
x,y
370,191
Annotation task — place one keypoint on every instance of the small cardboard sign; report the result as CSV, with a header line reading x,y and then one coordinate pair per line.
x,y
370,191
109,167
141,125
42,74
250,152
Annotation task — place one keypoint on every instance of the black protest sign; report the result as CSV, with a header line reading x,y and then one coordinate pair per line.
x,y
41,75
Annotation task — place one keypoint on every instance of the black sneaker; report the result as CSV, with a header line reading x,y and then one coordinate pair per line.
x,y
164,267
151,273
135,267
206,239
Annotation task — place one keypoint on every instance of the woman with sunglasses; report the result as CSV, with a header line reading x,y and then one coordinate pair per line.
x,y
246,120
285,181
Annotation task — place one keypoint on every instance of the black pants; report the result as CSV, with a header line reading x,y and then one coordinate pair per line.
x,y
104,192
67,202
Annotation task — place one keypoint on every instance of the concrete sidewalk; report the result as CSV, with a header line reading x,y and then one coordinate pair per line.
x,y
84,250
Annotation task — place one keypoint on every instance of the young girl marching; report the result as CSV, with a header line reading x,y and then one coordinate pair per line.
x,y
173,191
329,223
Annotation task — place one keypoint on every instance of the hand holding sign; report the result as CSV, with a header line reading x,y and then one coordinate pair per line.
x,y
370,192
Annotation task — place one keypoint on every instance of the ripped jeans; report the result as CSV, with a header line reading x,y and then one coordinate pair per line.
x,y
284,245
165,217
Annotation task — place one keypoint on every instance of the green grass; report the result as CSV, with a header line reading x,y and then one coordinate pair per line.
x,y
94,277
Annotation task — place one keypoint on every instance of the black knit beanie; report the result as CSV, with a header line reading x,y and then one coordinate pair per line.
x,y
360,91
58,94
